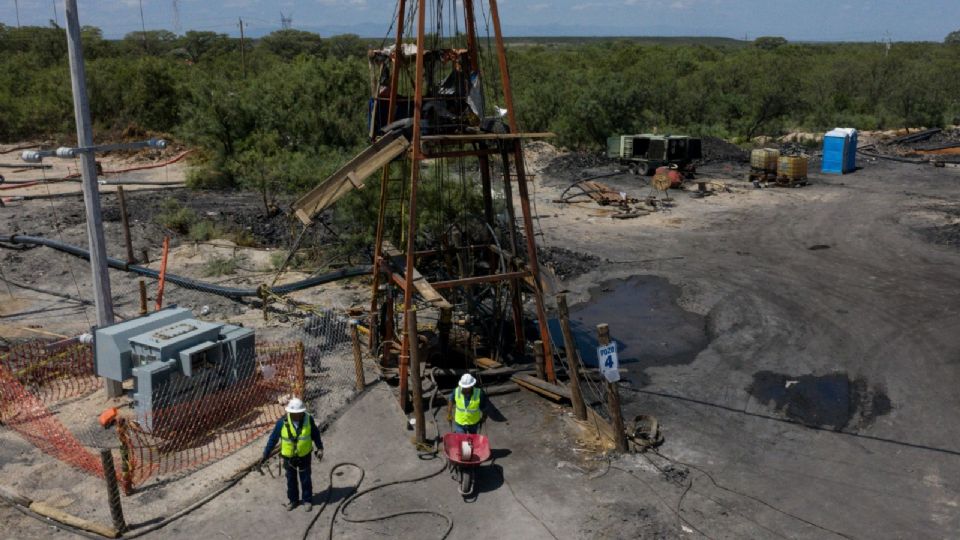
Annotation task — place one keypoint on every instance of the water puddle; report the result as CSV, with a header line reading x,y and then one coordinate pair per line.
x,y
649,327
831,401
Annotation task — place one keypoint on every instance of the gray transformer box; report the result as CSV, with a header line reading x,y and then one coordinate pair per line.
x,y
173,358
112,344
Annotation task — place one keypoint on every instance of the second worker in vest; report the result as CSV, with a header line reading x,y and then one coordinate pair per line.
x,y
471,406
297,434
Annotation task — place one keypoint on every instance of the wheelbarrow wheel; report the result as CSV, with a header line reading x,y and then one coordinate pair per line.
x,y
466,481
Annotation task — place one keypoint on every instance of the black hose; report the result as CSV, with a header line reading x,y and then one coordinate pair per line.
x,y
228,292
341,509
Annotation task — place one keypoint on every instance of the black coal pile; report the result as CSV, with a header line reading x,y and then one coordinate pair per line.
x,y
567,264
569,167
717,150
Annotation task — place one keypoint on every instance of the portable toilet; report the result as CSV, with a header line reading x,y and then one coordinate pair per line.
x,y
839,151
851,150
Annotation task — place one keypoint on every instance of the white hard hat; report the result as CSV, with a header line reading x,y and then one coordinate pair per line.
x,y
295,406
467,381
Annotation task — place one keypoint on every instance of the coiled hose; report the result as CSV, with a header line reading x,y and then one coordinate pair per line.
x,y
341,509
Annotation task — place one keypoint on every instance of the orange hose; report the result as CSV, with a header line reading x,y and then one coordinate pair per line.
x,y
163,273
175,159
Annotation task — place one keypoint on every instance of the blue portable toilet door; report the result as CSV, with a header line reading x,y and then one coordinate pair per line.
x,y
835,145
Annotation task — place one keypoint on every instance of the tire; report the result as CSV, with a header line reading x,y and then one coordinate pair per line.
x,y
466,481
644,168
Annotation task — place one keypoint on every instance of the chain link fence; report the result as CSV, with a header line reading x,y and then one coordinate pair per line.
x,y
202,432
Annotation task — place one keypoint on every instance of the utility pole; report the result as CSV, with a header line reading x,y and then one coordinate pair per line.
x,y
243,54
143,29
88,169
16,6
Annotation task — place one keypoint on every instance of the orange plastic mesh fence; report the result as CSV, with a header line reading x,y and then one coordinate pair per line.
x,y
23,412
190,434
52,372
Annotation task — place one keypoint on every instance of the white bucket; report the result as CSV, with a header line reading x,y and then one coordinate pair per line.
x,y
466,450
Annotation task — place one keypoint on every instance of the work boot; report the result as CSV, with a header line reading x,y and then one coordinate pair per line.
x,y
308,507
290,506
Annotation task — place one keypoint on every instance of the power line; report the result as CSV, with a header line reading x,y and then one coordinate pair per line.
x,y
176,15
286,21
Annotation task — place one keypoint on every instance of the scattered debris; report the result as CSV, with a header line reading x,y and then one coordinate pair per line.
x,y
676,475
916,137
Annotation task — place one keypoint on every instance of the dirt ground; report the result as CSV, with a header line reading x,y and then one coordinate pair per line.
x,y
799,347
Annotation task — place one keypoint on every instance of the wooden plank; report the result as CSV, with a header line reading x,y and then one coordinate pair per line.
x,y
542,387
422,286
486,363
56,514
538,390
350,176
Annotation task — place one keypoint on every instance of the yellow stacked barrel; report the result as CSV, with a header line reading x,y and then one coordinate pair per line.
x,y
764,159
792,168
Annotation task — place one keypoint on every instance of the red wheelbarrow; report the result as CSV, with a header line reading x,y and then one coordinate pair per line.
x,y
465,452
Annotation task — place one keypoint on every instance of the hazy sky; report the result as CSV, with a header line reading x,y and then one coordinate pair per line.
x,y
827,20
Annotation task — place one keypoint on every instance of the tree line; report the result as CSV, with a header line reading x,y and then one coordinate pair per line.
x,y
294,105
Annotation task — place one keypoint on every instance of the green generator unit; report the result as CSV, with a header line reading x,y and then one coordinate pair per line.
x,y
646,152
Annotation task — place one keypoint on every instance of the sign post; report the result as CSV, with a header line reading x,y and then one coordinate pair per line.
x,y
610,368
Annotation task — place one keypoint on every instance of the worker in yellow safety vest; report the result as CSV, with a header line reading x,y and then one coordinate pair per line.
x,y
471,405
297,434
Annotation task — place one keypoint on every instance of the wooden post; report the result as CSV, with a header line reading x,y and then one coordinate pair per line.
x,y
538,356
113,491
126,482
263,302
415,375
573,363
125,220
357,357
374,345
613,396
143,297
301,383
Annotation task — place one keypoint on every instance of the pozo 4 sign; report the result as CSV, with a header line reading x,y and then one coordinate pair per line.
x,y
608,362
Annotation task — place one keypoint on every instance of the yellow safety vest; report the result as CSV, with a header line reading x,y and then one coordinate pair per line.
x,y
468,414
293,444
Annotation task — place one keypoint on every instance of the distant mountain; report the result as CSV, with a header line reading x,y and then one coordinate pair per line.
x,y
369,30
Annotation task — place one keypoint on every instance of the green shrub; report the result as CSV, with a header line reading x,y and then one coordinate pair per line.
x,y
175,216
219,266
202,231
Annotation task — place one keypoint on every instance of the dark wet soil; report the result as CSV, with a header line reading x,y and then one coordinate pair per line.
x,y
944,235
831,401
649,327
231,211
567,264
